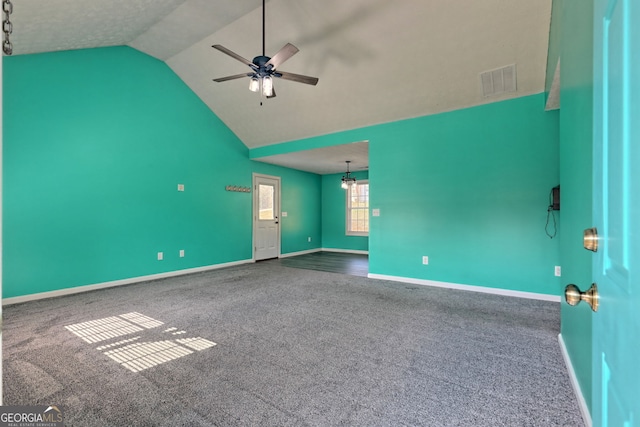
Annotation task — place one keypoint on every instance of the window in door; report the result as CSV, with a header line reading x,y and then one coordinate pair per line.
x,y
265,201
358,209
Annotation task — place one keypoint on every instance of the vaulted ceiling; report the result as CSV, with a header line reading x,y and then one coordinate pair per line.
x,y
377,60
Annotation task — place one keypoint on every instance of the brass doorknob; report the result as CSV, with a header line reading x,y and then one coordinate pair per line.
x,y
573,296
590,239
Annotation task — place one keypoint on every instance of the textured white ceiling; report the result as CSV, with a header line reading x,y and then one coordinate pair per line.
x,y
52,25
325,160
377,60
189,23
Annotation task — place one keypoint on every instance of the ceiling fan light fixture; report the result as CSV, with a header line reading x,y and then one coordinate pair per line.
x,y
263,68
254,84
267,86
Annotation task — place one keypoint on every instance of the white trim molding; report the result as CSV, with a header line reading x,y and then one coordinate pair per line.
x,y
582,403
87,288
308,251
486,290
345,251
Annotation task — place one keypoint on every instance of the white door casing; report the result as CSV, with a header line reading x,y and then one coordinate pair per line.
x,y
266,217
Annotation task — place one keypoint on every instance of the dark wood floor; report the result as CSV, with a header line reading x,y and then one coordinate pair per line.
x,y
335,262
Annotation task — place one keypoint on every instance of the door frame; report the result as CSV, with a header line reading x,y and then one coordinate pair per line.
x,y
254,214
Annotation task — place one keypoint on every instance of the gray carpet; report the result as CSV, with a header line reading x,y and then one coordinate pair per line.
x,y
292,348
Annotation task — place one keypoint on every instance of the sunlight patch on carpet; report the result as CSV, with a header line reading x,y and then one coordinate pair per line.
x,y
103,329
142,320
197,344
137,356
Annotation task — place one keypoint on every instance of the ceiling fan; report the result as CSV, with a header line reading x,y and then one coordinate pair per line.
x,y
264,69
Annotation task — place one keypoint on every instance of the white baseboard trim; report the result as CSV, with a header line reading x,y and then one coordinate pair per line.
x,y
308,251
346,251
584,409
495,291
87,288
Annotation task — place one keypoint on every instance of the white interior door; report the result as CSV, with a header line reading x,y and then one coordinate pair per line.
x,y
266,217
616,197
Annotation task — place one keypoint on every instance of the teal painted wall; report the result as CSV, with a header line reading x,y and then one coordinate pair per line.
x,y
95,143
473,197
576,178
334,215
473,194
302,201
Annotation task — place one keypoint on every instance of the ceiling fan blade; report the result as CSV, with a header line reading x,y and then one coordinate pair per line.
x,y
233,55
236,76
297,77
287,51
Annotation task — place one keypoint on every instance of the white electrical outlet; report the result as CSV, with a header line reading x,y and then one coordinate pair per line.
x,y
160,256
181,253
308,239
558,271
425,260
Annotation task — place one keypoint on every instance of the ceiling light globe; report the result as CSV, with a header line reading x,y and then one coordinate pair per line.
x,y
267,86
254,84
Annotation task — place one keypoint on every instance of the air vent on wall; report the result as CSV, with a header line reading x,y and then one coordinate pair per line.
x,y
498,81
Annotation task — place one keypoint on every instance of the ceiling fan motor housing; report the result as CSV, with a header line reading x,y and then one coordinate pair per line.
x,y
261,60
263,69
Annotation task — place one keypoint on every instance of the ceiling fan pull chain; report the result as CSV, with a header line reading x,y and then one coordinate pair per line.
x,y
7,27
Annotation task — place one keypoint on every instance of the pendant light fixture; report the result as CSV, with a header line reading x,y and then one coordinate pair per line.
x,y
348,180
